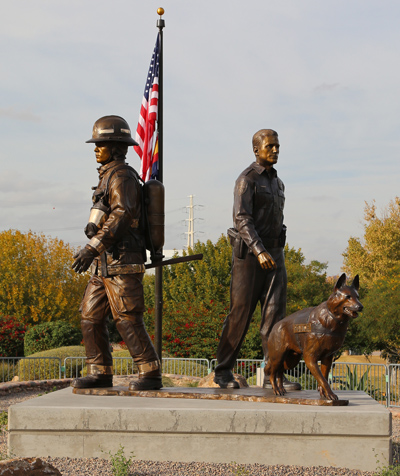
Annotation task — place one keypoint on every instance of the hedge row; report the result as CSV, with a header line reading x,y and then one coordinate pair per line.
x,y
51,335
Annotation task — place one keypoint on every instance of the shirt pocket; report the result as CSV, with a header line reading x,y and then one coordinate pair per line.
x,y
263,197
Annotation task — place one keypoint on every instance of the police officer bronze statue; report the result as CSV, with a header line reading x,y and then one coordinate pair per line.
x,y
116,254
258,266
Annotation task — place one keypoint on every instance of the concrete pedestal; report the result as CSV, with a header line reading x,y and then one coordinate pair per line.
x,y
64,424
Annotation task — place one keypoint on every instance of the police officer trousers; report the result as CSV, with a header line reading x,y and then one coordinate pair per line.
x,y
251,284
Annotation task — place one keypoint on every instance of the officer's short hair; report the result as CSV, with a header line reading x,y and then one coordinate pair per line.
x,y
259,136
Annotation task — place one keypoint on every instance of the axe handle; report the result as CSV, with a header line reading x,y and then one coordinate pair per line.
x,y
181,259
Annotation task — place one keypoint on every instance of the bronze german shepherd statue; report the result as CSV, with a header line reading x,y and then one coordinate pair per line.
x,y
316,333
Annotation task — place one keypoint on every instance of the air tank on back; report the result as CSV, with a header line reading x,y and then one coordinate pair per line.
x,y
154,196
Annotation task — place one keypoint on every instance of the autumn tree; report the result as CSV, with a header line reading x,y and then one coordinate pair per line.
x,y
376,259
307,283
196,299
379,250
37,283
380,323
205,280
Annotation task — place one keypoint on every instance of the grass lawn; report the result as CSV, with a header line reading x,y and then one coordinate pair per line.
x,y
362,359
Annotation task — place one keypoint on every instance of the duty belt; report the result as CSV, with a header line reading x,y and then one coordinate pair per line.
x,y
116,269
272,243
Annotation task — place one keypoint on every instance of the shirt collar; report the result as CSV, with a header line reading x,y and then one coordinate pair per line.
x,y
260,169
104,168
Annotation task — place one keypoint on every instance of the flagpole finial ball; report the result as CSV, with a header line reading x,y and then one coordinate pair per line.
x,y
160,11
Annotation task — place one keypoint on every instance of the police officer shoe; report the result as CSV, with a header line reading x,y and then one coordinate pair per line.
x,y
287,384
226,380
93,381
146,383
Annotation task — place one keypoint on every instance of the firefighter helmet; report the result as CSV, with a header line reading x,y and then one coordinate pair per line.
x,y
112,128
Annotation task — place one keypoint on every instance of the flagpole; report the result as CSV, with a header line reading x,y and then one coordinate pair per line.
x,y
158,272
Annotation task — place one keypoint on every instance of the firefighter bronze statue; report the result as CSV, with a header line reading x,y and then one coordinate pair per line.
x,y
116,254
258,263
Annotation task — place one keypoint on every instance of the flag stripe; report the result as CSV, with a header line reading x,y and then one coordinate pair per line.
x,y
147,119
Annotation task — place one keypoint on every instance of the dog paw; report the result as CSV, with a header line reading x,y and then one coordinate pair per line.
x,y
328,394
278,391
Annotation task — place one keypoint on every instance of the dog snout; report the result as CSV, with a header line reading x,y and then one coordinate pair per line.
x,y
357,307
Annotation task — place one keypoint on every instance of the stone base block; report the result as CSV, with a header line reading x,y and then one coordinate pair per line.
x,y
65,424
249,394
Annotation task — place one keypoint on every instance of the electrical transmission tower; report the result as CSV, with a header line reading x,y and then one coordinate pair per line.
x,y
190,220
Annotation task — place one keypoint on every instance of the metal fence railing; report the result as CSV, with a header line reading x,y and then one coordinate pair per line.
x,y
393,381
381,382
302,375
39,368
75,366
187,367
245,367
8,368
370,378
29,368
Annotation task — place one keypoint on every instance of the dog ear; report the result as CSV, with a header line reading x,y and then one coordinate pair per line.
x,y
356,283
340,282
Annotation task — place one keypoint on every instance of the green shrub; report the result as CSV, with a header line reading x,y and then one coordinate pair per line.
x,y
120,463
38,367
12,332
8,370
4,419
121,353
167,382
51,335
389,471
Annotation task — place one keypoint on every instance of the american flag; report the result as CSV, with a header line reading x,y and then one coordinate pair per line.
x,y
148,116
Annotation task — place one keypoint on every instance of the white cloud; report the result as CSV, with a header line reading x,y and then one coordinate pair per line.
x,y
26,115
324,75
325,87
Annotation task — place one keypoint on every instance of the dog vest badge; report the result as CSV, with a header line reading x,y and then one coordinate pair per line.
x,y
302,328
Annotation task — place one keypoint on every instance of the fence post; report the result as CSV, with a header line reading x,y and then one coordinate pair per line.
x,y
387,379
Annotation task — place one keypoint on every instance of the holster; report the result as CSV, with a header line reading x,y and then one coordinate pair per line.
x,y
282,236
237,242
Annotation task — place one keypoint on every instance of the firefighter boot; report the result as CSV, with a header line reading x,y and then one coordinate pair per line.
x,y
143,353
99,358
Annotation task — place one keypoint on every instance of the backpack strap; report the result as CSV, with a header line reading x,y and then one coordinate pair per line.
x,y
116,169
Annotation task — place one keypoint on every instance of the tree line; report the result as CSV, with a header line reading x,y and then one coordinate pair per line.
x,y
38,285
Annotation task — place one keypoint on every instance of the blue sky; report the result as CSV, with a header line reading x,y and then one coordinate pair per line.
x,y
325,75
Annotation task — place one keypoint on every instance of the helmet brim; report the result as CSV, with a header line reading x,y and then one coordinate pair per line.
x,y
124,140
